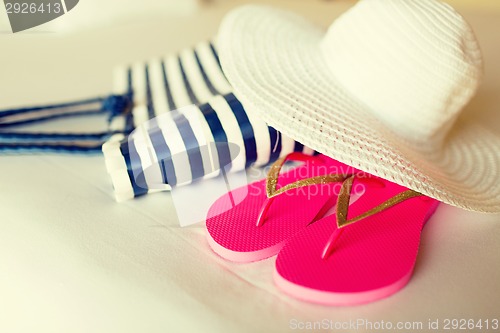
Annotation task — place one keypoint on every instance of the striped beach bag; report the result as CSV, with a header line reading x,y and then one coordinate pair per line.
x,y
159,109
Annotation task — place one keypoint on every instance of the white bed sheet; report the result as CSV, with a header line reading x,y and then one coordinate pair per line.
x,y
73,260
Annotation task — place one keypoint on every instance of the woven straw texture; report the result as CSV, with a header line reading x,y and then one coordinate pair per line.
x,y
381,90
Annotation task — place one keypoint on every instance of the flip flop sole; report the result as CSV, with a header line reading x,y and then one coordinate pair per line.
x,y
373,258
231,229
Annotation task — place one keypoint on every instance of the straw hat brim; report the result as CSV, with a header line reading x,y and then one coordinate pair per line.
x,y
273,60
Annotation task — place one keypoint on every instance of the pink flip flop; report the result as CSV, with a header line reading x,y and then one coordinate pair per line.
x,y
335,261
274,209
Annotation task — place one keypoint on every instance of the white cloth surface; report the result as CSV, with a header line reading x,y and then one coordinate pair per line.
x,y
73,260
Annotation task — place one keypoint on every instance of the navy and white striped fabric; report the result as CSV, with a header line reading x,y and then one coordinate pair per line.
x,y
159,86
157,89
13,140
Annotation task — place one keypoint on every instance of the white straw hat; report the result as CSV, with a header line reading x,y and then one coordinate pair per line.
x,y
381,90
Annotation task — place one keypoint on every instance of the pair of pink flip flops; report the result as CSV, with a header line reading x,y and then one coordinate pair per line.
x,y
363,252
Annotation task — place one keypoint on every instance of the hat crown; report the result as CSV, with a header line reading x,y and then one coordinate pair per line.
x,y
414,63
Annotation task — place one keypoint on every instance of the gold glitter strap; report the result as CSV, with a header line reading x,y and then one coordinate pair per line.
x,y
343,207
344,198
272,181
274,172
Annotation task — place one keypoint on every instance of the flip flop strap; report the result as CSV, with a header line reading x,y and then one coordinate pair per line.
x,y
272,190
344,198
274,172
343,210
